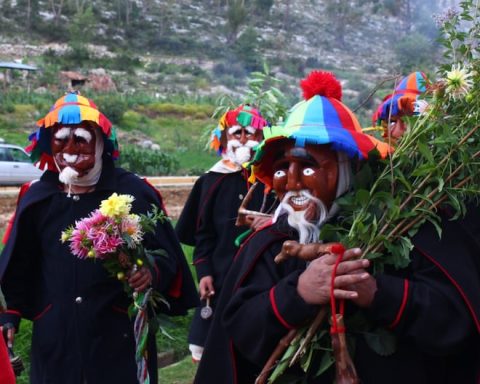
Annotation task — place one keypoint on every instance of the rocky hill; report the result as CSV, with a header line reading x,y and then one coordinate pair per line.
x,y
209,47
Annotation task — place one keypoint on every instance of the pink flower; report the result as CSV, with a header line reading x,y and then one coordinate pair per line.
x,y
95,236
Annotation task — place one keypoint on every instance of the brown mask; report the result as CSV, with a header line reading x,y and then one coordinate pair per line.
x,y
73,145
313,168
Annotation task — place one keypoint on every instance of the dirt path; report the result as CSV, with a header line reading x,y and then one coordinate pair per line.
x,y
174,190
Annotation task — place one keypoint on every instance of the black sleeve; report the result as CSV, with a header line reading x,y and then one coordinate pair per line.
x,y
21,271
206,239
187,222
423,307
265,307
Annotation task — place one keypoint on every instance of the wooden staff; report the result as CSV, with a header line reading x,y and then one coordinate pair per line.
x,y
307,252
243,212
276,354
345,372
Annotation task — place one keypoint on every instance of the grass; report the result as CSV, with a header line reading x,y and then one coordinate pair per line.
x,y
181,372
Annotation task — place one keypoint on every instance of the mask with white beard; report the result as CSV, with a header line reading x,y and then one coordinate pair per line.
x,y
238,153
308,231
69,176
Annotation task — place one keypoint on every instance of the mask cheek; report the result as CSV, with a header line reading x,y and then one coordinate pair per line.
x,y
84,163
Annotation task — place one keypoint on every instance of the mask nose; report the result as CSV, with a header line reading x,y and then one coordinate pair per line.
x,y
294,182
243,138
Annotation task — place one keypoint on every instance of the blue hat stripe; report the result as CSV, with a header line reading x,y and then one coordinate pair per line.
x,y
70,98
313,114
69,114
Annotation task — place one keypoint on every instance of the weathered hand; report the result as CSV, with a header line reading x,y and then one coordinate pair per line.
x,y
140,279
205,286
365,289
257,222
315,282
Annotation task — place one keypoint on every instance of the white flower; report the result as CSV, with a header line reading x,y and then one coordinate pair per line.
x,y
458,81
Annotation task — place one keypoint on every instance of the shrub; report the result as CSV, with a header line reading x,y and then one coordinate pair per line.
x,y
113,106
415,52
147,162
131,120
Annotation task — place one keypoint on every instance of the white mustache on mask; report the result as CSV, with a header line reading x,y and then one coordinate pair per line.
x,y
240,153
308,231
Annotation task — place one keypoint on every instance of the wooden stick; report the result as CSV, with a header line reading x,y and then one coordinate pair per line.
x,y
345,372
310,333
243,211
277,353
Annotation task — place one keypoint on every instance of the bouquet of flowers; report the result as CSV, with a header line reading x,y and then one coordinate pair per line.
x,y
114,235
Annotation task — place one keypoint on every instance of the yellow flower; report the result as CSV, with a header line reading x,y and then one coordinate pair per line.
x,y
91,253
139,262
65,237
120,275
458,81
116,205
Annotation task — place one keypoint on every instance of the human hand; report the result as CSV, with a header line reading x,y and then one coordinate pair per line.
x,y
140,279
314,283
365,289
8,332
205,286
256,222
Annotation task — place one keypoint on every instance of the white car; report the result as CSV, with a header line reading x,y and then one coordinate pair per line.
x,y
15,166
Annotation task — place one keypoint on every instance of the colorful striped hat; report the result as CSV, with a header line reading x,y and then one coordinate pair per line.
x,y
320,119
69,109
243,115
403,100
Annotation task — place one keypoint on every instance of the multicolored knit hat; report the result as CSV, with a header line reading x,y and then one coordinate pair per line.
x,y
244,115
403,100
69,109
320,119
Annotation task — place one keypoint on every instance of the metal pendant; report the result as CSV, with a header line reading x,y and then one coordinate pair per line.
x,y
207,311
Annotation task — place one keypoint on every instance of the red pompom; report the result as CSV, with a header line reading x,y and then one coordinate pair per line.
x,y
322,84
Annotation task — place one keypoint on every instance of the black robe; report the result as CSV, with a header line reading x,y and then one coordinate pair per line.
x,y
208,223
81,330
433,307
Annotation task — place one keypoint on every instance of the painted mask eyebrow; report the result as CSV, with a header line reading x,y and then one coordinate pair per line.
x,y
83,133
298,152
62,133
234,129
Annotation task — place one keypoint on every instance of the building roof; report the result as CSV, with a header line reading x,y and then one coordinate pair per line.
x,y
13,65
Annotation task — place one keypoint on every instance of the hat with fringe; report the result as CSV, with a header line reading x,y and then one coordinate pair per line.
x,y
69,109
403,101
320,119
244,115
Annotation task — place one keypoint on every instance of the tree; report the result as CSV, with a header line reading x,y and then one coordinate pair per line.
x,y
344,15
264,5
236,17
56,6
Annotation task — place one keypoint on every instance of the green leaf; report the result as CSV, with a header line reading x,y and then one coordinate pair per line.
x,y
382,341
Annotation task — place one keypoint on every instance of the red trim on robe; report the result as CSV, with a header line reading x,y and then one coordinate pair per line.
x,y
234,361
40,315
24,188
13,312
276,311
162,205
456,285
402,305
175,290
